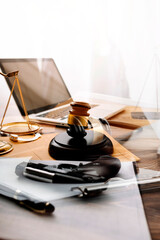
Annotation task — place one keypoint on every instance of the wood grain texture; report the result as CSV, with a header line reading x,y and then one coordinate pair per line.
x,y
126,118
15,221
143,144
151,202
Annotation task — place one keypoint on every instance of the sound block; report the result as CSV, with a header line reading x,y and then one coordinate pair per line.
x,y
89,148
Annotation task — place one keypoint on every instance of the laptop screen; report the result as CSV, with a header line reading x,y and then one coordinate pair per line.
x,y
41,83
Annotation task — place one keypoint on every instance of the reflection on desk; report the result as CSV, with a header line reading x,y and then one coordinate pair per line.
x,y
118,211
85,218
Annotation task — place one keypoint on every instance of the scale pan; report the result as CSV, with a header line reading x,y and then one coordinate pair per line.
x,y
20,128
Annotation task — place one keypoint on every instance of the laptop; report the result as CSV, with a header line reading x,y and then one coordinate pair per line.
x,y
45,94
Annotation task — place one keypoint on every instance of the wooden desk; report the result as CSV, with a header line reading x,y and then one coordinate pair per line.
x,y
22,219
145,147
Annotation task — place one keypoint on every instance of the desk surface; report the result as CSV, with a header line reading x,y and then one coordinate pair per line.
x,y
143,144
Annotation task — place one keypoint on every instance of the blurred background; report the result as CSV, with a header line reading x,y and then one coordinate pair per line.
x,y
103,46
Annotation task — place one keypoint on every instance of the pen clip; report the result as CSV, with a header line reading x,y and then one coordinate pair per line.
x,y
92,190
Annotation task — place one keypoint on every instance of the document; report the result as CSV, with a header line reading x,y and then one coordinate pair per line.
x,y
119,211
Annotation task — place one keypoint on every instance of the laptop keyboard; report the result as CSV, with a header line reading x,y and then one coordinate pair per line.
x,y
61,113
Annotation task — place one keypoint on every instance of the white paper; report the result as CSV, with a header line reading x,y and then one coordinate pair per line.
x,y
124,214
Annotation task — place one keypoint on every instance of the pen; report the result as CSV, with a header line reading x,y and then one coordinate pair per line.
x,y
26,201
50,177
122,124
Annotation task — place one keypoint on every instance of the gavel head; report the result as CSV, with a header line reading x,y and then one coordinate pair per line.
x,y
78,119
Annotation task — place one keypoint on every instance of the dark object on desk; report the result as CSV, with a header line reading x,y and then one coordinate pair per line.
x,y
90,191
146,115
26,201
78,143
89,148
100,170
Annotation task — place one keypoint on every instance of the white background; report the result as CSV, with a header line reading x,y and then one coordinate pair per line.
x,y
104,46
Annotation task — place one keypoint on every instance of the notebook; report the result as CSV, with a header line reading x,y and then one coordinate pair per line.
x,y
46,96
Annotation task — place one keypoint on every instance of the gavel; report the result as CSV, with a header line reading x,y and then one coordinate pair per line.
x,y
78,119
78,142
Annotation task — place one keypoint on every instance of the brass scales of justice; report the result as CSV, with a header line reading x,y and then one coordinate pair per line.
x,y
18,131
